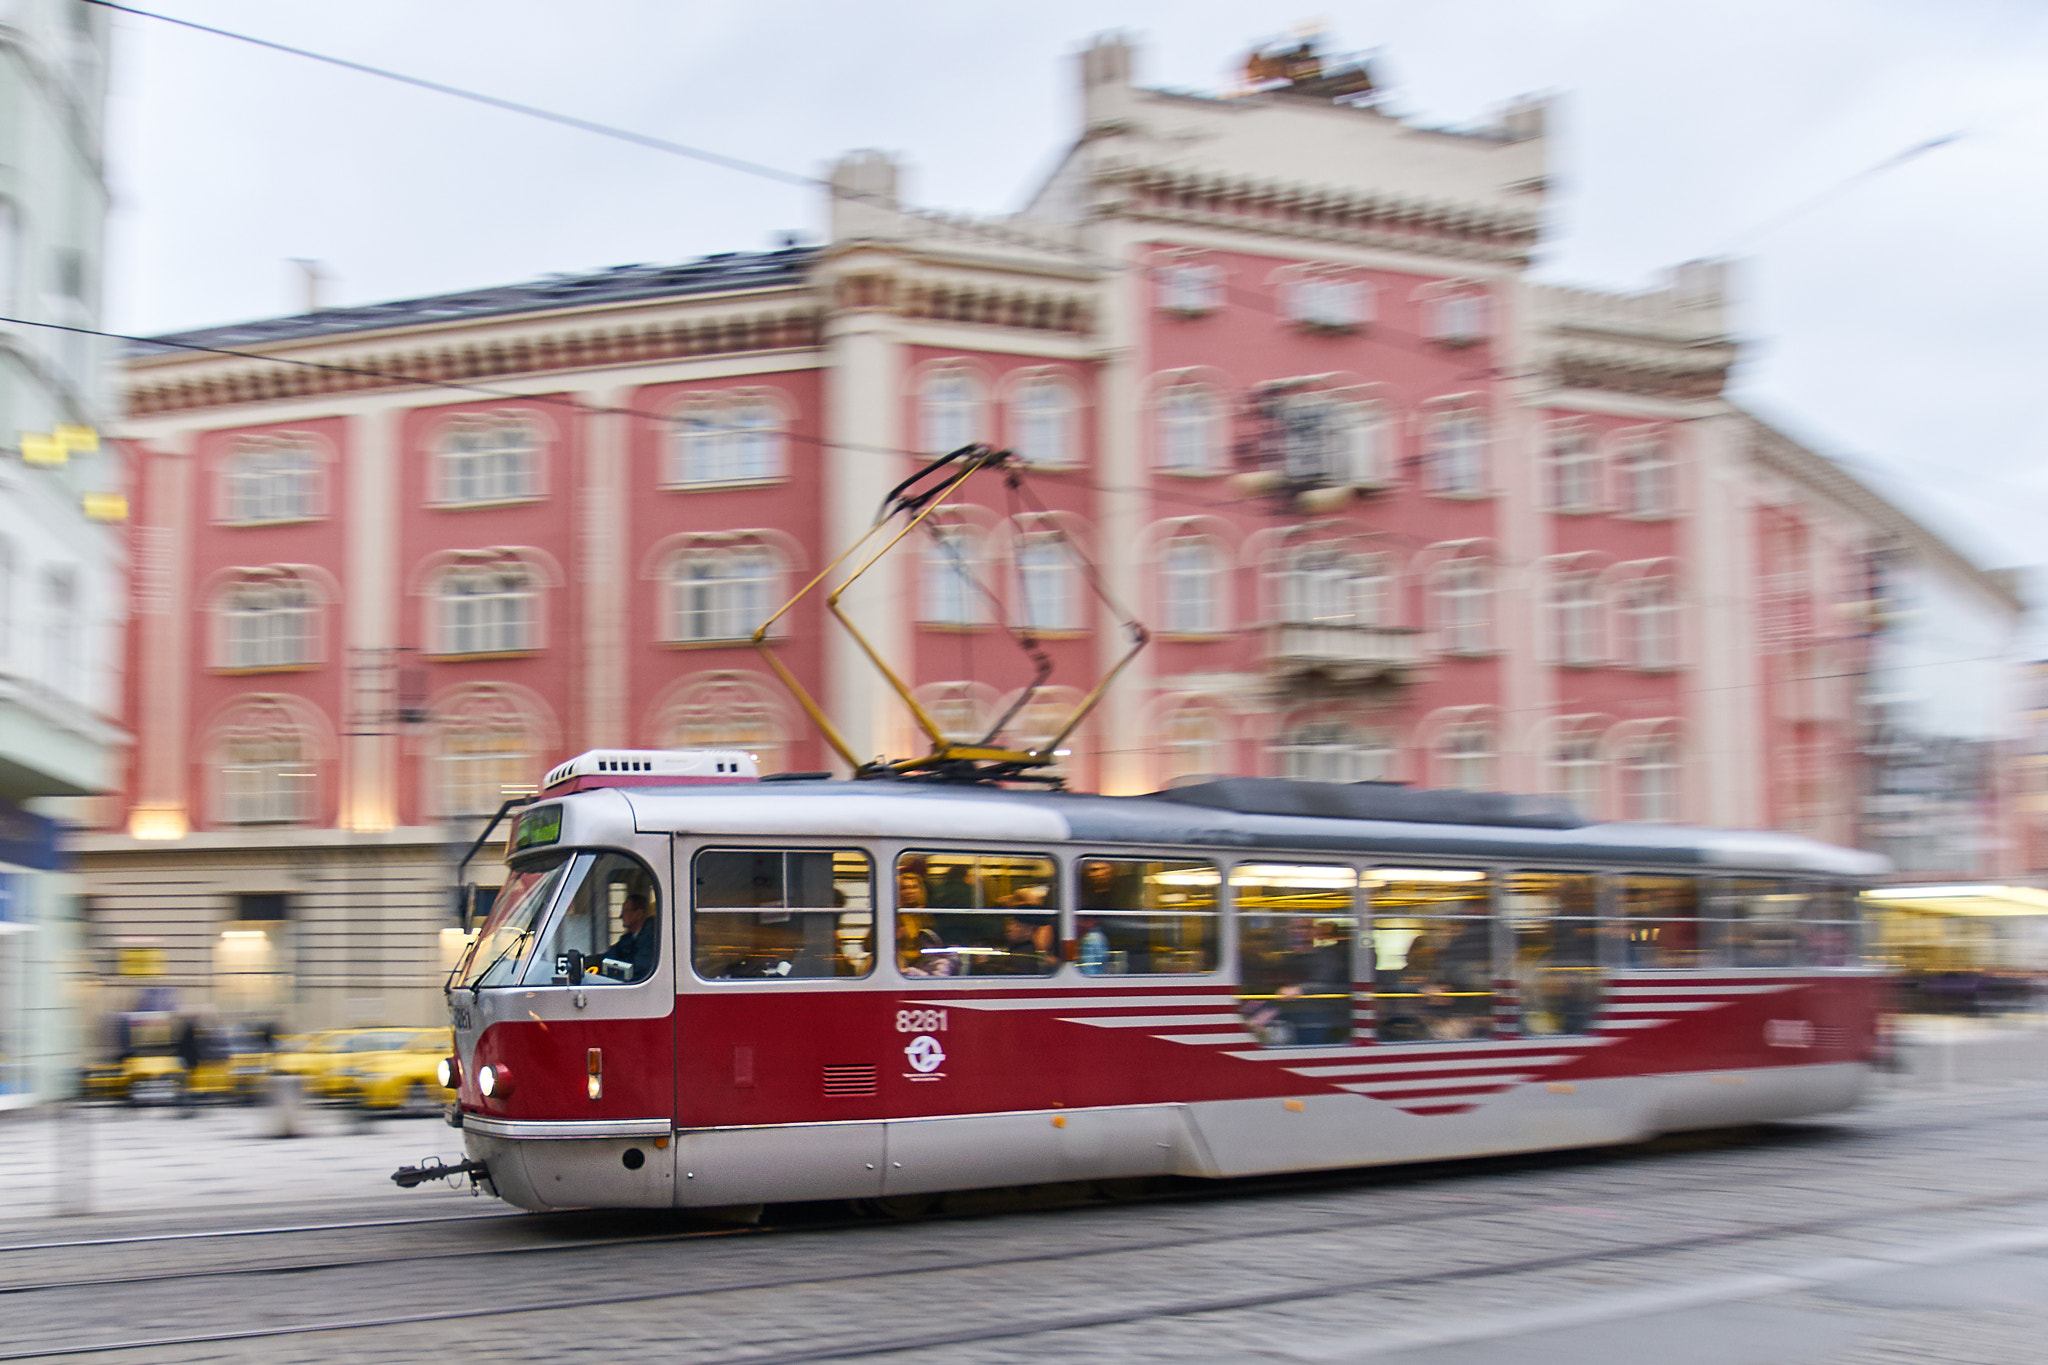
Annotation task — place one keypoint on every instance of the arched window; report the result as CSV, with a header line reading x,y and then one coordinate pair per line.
x,y
1331,750
728,715
1188,289
486,609
1649,779
1042,423
958,709
265,774
1466,756
1574,467
1190,430
952,577
721,594
1457,319
267,623
488,459
1462,592
1646,479
1362,455
726,438
1191,587
949,412
273,481
1046,597
1649,622
1576,770
1329,302
484,753
1457,452
1575,617
1193,745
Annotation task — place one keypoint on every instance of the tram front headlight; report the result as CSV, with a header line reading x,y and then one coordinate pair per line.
x,y
448,1071
494,1081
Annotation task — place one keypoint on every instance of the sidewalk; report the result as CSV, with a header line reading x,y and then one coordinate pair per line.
x,y
1943,1049
115,1160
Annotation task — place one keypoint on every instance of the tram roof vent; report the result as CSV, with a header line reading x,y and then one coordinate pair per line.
x,y
651,768
1375,801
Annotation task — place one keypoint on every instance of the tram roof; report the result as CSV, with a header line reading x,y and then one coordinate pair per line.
x,y
913,810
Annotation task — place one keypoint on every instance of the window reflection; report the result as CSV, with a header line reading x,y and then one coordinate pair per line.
x,y
1135,918
1433,954
1295,925
783,913
1661,923
1557,949
976,914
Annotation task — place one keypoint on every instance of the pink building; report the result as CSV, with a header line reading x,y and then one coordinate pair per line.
x,y
1392,510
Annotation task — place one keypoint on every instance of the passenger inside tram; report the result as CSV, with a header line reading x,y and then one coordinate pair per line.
x,y
976,914
774,913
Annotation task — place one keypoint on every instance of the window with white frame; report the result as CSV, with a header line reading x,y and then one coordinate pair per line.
x,y
1325,584
272,481
952,577
1193,745
949,412
1189,289
266,776
1649,622
1462,593
1649,773
1457,452
60,630
1328,750
721,594
1575,617
484,753
729,720
1191,586
1042,423
486,609
267,623
1329,302
489,460
1457,319
957,710
1647,478
1466,756
1190,430
1046,574
726,438
1576,769
1364,456
1574,468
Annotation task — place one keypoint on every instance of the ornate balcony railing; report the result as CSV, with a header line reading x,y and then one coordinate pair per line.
x,y
1345,651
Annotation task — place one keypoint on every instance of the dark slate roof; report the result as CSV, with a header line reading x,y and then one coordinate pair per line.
x,y
708,275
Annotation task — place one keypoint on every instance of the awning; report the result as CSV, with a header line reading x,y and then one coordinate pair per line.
x,y
1970,899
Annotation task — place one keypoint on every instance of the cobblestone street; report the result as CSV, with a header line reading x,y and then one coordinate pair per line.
x,y
1913,1230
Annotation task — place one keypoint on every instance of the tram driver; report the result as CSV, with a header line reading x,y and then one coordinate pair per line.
x,y
635,948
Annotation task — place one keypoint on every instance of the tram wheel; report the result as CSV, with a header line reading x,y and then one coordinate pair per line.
x,y
899,1206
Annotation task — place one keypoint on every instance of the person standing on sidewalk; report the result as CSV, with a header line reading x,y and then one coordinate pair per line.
x,y
189,1053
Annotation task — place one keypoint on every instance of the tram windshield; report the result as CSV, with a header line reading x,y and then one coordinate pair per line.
x,y
507,935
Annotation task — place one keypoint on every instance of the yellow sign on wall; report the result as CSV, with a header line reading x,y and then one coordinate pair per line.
x,y
141,961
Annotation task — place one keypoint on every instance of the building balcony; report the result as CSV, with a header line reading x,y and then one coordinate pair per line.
x,y
1344,652
50,745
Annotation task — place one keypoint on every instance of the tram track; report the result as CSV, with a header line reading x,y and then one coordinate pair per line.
x,y
1222,1190
869,1345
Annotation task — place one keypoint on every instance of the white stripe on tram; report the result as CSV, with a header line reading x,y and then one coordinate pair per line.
x,y
1448,1064
1155,1020
1418,1089
1078,1002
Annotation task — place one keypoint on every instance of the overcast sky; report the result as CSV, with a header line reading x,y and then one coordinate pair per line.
x,y
1895,324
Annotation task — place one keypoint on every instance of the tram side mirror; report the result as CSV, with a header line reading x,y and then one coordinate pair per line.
x,y
465,899
569,969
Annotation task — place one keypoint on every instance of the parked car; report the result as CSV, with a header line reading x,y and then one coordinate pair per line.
x,y
403,1080
340,1081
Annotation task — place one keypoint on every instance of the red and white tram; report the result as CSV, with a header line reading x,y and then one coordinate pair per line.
x,y
702,989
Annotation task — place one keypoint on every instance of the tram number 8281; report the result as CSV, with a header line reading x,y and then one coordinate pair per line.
x,y
920,1021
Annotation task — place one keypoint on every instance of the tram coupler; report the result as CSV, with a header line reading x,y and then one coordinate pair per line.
x,y
433,1168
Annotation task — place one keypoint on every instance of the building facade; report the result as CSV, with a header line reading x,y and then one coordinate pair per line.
x,y
1281,387
62,580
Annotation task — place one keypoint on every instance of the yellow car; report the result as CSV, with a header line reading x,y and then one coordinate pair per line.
x,y
404,1078
313,1056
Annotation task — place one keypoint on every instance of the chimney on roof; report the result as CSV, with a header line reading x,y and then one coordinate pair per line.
x,y
311,280
866,190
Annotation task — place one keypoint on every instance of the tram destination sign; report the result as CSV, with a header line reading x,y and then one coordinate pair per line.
x,y
536,827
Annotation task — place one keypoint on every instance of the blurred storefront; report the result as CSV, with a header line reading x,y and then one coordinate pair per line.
x,y
1970,948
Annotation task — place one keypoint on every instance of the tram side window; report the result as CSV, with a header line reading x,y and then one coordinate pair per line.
x,y
976,914
1432,936
1137,918
1831,928
611,921
1661,922
1555,916
796,914
1295,925
1765,922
